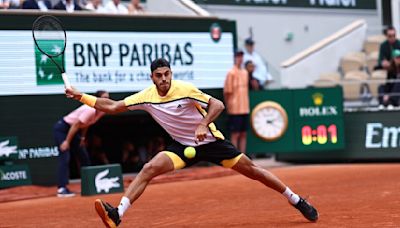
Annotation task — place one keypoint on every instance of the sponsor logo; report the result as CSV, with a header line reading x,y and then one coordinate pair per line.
x,y
6,150
275,2
313,3
215,32
38,152
104,183
47,72
379,136
318,109
318,99
336,3
13,175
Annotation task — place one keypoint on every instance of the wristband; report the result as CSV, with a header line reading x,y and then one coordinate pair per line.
x,y
88,100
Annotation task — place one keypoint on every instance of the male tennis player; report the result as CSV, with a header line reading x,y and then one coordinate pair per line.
x,y
179,108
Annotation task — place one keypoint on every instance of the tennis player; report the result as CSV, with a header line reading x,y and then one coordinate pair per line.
x,y
179,108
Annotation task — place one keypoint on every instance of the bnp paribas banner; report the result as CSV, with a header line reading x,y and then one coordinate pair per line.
x,y
116,61
336,4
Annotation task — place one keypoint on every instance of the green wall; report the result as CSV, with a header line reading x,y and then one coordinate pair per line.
x,y
310,107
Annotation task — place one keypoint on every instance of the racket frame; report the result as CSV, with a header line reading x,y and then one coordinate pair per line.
x,y
60,68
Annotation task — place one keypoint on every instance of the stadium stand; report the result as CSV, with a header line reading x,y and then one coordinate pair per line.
x,y
333,76
351,88
352,64
372,43
372,61
378,77
352,61
356,74
325,82
359,67
325,56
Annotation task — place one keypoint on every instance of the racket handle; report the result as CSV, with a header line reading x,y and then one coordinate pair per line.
x,y
66,80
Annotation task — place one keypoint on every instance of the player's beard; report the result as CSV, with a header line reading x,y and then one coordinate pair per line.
x,y
164,86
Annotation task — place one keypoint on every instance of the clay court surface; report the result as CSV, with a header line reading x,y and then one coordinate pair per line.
x,y
360,195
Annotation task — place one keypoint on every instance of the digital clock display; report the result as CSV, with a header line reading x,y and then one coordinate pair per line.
x,y
322,134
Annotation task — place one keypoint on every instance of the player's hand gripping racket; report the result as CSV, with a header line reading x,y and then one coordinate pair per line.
x,y
50,38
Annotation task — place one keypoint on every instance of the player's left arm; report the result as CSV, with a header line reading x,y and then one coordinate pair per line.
x,y
215,107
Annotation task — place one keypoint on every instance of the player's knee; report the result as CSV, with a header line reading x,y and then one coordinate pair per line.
x,y
149,170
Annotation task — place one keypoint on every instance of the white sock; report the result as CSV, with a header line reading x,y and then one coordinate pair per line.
x,y
123,206
291,196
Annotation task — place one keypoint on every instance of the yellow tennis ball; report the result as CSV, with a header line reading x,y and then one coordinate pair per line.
x,y
189,152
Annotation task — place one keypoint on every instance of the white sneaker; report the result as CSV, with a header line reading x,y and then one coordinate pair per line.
x,y
64,192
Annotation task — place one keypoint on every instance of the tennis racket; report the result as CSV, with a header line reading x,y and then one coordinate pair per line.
x,y
51,39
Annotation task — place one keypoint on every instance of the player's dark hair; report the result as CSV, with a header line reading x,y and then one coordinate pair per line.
x,y
161,62
99,93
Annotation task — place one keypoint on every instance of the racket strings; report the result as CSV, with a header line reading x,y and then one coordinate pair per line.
x,y
47,24
49,35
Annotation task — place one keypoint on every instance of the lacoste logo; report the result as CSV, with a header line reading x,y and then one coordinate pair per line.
x,y
46,71
6,150
105,183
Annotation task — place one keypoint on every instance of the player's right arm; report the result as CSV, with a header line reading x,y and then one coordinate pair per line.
x,y
110,106
103,104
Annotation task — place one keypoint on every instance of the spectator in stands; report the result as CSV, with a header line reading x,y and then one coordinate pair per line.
x,y
365,93
4,4
254,84
135,7
95,5
260,72
236,94
116,7
70,135
391,90
386,48
130,158
155,145
42,5
14,4
68,5
97,154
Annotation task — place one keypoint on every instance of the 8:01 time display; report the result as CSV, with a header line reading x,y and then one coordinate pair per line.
x,y
321,135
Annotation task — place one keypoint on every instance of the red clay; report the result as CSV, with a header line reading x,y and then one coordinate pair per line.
x,y
346,196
